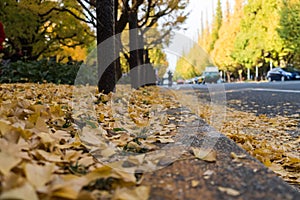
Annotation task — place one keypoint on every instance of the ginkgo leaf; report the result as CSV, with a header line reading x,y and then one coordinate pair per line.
x,y
25,191
39,175
229,191
68,186
208,155
49,156
165,140
207,174
41,125
86,161
236,156
7,162
195,183
137,193
39,130
5,127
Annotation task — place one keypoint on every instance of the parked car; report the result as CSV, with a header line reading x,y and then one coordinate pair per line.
x,y
195,80
180,81
210,75
283,74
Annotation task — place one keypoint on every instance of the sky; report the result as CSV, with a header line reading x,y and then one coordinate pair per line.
x,y
192,27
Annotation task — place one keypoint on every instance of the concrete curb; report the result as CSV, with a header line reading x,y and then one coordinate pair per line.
x,y
191,178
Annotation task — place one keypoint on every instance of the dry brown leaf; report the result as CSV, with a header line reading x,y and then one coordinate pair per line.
x,y
68,186
195,183
229,191
49,156
165,140
207,174
86,161
41,125
208,155
25,191
136,193
235,156
39,175
5,127
7,162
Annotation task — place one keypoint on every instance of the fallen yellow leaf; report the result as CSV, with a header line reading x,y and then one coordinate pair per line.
x,y
229,191
208,155
25,191
39,175
7,162
136,193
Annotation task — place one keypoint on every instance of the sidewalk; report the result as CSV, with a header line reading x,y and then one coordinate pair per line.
x,y
234,174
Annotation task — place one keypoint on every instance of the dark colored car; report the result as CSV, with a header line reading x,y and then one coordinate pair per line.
x,y
209,77
283,74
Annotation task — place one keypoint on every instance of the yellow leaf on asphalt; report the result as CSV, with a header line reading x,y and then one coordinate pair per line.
x,y
236,157
207,174
229,191
208,155
127,177
195,183
137,193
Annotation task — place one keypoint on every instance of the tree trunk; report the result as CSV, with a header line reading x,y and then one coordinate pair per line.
x,y
108,69
135,59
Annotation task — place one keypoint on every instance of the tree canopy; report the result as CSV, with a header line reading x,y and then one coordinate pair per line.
x,y
258,33
41,31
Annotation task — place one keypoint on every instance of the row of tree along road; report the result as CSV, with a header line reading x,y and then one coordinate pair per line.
x,y
246,39
67,28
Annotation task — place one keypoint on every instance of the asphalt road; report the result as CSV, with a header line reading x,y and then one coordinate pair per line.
x,y
272,99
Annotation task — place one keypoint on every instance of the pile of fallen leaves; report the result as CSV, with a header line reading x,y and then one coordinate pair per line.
x,y
272,140
52,138
71,142
42,155
269,140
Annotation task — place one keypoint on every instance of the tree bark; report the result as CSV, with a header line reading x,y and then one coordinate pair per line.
x,y
134,45
108,67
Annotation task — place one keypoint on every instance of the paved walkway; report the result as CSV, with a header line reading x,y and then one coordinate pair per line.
x,y
226,178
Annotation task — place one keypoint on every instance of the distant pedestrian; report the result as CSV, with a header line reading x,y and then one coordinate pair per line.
x,y
2,36
170,78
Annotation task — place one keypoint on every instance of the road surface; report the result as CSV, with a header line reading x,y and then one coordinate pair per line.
x,y
272,99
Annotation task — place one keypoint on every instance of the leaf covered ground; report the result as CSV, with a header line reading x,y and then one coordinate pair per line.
x,y
45,146
51,142
41,154
275,141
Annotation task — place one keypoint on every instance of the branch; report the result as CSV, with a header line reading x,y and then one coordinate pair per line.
x,y
150,7
160,14
65,10
122,22
88,10
159,40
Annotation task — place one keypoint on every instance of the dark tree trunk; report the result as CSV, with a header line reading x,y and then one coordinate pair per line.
x,y
134,45
150,73
108,68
